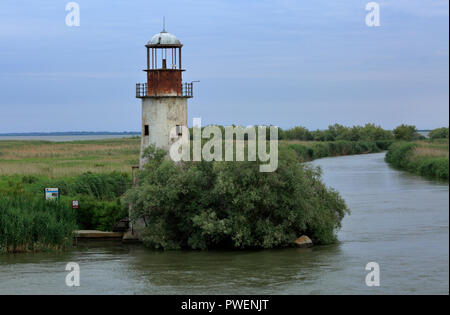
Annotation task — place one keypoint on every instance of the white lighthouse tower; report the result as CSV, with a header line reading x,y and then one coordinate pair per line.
x,y
164,96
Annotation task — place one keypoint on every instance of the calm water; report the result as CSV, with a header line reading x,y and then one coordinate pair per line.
x,y
67,137
398,220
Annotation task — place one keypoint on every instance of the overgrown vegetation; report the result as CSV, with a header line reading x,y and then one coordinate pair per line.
x,y
32,224
336,132
308,151
407,133
203,205
98,195
439,133
426,158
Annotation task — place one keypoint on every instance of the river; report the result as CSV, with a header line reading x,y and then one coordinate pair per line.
x,y
398,220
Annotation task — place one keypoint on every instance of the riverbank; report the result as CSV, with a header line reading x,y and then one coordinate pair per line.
x,y
426,158
98,172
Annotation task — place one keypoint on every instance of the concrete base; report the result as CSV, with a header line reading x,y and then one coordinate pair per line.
x,y
130,237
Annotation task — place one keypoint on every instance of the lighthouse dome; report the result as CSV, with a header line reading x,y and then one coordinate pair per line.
x,y
164,38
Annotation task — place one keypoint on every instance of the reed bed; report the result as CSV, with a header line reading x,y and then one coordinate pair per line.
x,y
29,224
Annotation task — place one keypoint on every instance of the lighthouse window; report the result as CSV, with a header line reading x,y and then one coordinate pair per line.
x,y
146,132
179,130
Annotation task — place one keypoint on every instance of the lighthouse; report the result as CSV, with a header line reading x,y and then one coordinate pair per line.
x,y
164,96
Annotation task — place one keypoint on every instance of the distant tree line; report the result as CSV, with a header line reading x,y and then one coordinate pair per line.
x,y
337,132
439,133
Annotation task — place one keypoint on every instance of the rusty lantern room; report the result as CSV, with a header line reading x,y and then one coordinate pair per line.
x,y
164,70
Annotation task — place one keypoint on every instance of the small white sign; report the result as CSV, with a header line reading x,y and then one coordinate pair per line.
x,y
51,193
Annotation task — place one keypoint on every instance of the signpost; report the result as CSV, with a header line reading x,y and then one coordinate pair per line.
x,y
51,193
75,204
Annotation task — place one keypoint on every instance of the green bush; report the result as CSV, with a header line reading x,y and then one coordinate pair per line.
x,y
308,152
439,133
400,155
95,214
204,205
297,133
407,133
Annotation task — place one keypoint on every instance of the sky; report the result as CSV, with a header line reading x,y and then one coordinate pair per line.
x,y
284,63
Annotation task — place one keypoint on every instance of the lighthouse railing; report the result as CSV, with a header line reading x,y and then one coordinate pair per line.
x,y
141,90
187,90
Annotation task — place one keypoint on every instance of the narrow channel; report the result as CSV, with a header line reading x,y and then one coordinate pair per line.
x,y
398,220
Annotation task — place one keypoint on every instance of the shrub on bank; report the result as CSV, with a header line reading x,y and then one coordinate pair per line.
x,y
95,214
308,152
401,155
205,205
33,224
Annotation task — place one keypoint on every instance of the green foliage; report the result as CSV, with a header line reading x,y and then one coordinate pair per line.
x,y
368,132
308,152
98,195
439,133
95,214
400,155
298,133
31,224
406,133
204,205
99,185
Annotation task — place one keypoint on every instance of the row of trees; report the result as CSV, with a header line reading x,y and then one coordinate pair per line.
x,y
439,133
368,132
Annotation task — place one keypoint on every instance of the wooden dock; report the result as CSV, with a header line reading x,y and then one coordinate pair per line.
x,y
98,235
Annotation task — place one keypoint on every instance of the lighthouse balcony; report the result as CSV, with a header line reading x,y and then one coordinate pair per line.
x,y
186,90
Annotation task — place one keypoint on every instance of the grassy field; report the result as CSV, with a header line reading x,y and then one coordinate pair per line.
x,y
68,159
62,159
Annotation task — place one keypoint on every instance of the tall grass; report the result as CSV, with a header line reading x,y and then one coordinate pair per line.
x,y
61,159
33,224
98,195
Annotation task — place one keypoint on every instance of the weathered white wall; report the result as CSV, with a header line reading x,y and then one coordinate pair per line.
x,y
161,115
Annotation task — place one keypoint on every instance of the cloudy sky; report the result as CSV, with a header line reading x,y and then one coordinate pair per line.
x,y
283,62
